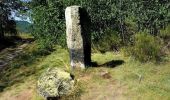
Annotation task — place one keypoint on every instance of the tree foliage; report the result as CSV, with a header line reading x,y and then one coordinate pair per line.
x,y
7,25
124,16
48,21
142,52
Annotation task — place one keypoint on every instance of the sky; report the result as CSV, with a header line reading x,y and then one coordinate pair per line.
x,y
19,17
25,0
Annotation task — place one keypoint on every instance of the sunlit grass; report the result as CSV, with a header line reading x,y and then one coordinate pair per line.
x,y
135,80
25,35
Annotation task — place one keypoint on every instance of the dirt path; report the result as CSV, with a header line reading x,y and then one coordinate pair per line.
x,y
10,53
103,87
111,91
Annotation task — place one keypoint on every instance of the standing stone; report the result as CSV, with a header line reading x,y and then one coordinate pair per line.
x,y
78,36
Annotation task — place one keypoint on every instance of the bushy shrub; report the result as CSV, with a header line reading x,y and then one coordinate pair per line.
x,y
109,41
165,34
146,48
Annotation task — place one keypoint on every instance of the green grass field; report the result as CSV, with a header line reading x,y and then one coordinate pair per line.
x,y
116,77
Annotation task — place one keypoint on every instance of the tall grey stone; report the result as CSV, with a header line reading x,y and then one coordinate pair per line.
x,y
78,36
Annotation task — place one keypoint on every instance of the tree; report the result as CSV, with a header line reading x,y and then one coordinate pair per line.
x,y
49,20
151,15
7,25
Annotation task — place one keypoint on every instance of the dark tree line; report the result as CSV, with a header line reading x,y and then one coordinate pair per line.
x,y
7,24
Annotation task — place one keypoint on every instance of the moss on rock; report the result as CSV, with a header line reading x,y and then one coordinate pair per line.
x,y
55,83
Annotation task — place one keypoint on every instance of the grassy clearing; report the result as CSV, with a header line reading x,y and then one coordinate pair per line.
x,y
123,78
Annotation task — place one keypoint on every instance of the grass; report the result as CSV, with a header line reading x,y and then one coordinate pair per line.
x,y
124,78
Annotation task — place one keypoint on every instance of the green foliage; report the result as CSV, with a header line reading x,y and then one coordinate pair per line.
x,y
109,41
165,34
48,27
151,15
49,20
127,17
146,48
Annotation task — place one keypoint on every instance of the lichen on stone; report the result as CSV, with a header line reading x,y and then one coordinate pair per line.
x,y
55,82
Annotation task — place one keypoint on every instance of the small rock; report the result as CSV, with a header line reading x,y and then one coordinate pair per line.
x,y
105,75
55,83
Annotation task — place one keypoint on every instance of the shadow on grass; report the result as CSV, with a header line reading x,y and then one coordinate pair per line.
x,y
13,41
110,64
21,68
53,98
